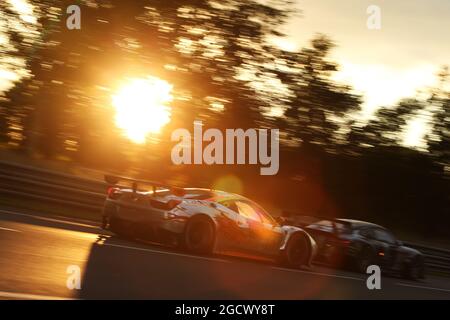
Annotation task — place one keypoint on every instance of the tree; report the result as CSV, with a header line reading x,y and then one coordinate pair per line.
x,y
389,124
439,138
199,46
318,100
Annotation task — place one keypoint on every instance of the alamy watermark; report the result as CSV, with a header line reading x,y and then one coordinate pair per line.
x,y
73,21
190,148
374,19
73,281
374,280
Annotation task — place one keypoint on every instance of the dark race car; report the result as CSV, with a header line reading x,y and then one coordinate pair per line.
x,y
358,244
202,221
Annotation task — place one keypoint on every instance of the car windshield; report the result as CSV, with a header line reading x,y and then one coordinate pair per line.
x,y
246,210
342,227
265,216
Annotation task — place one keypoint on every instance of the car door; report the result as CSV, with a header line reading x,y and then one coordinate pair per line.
x,y
273,234
235,231
249,223
386,247
265,235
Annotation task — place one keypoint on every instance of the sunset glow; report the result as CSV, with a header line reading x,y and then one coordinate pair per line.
x,y
141,107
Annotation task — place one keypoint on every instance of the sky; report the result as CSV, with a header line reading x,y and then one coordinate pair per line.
x,y
383,64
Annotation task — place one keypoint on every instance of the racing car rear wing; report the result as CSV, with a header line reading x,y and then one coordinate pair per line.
x,y
113,180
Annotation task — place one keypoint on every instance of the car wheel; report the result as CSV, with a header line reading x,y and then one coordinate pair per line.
x,y
364,259
296,253
415,269
199,235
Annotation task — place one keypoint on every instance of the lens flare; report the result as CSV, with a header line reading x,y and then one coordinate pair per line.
x,y
229,183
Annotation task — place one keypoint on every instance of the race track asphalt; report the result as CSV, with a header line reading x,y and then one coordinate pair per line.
x,y
39,253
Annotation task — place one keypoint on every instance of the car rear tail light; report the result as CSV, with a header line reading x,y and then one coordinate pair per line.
x,y
113,193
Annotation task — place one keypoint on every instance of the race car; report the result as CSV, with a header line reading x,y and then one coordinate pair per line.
x,y
202,221
359,244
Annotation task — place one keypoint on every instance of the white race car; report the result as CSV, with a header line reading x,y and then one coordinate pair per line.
x,y
202,221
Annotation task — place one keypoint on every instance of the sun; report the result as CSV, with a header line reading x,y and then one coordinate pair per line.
x,y
142,108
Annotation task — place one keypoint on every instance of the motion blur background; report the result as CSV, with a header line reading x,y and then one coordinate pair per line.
x,y
363,114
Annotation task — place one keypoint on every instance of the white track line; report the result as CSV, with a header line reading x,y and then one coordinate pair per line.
x,y
113,245
422,287
165,252
8,229
27,296
318,273
38,217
